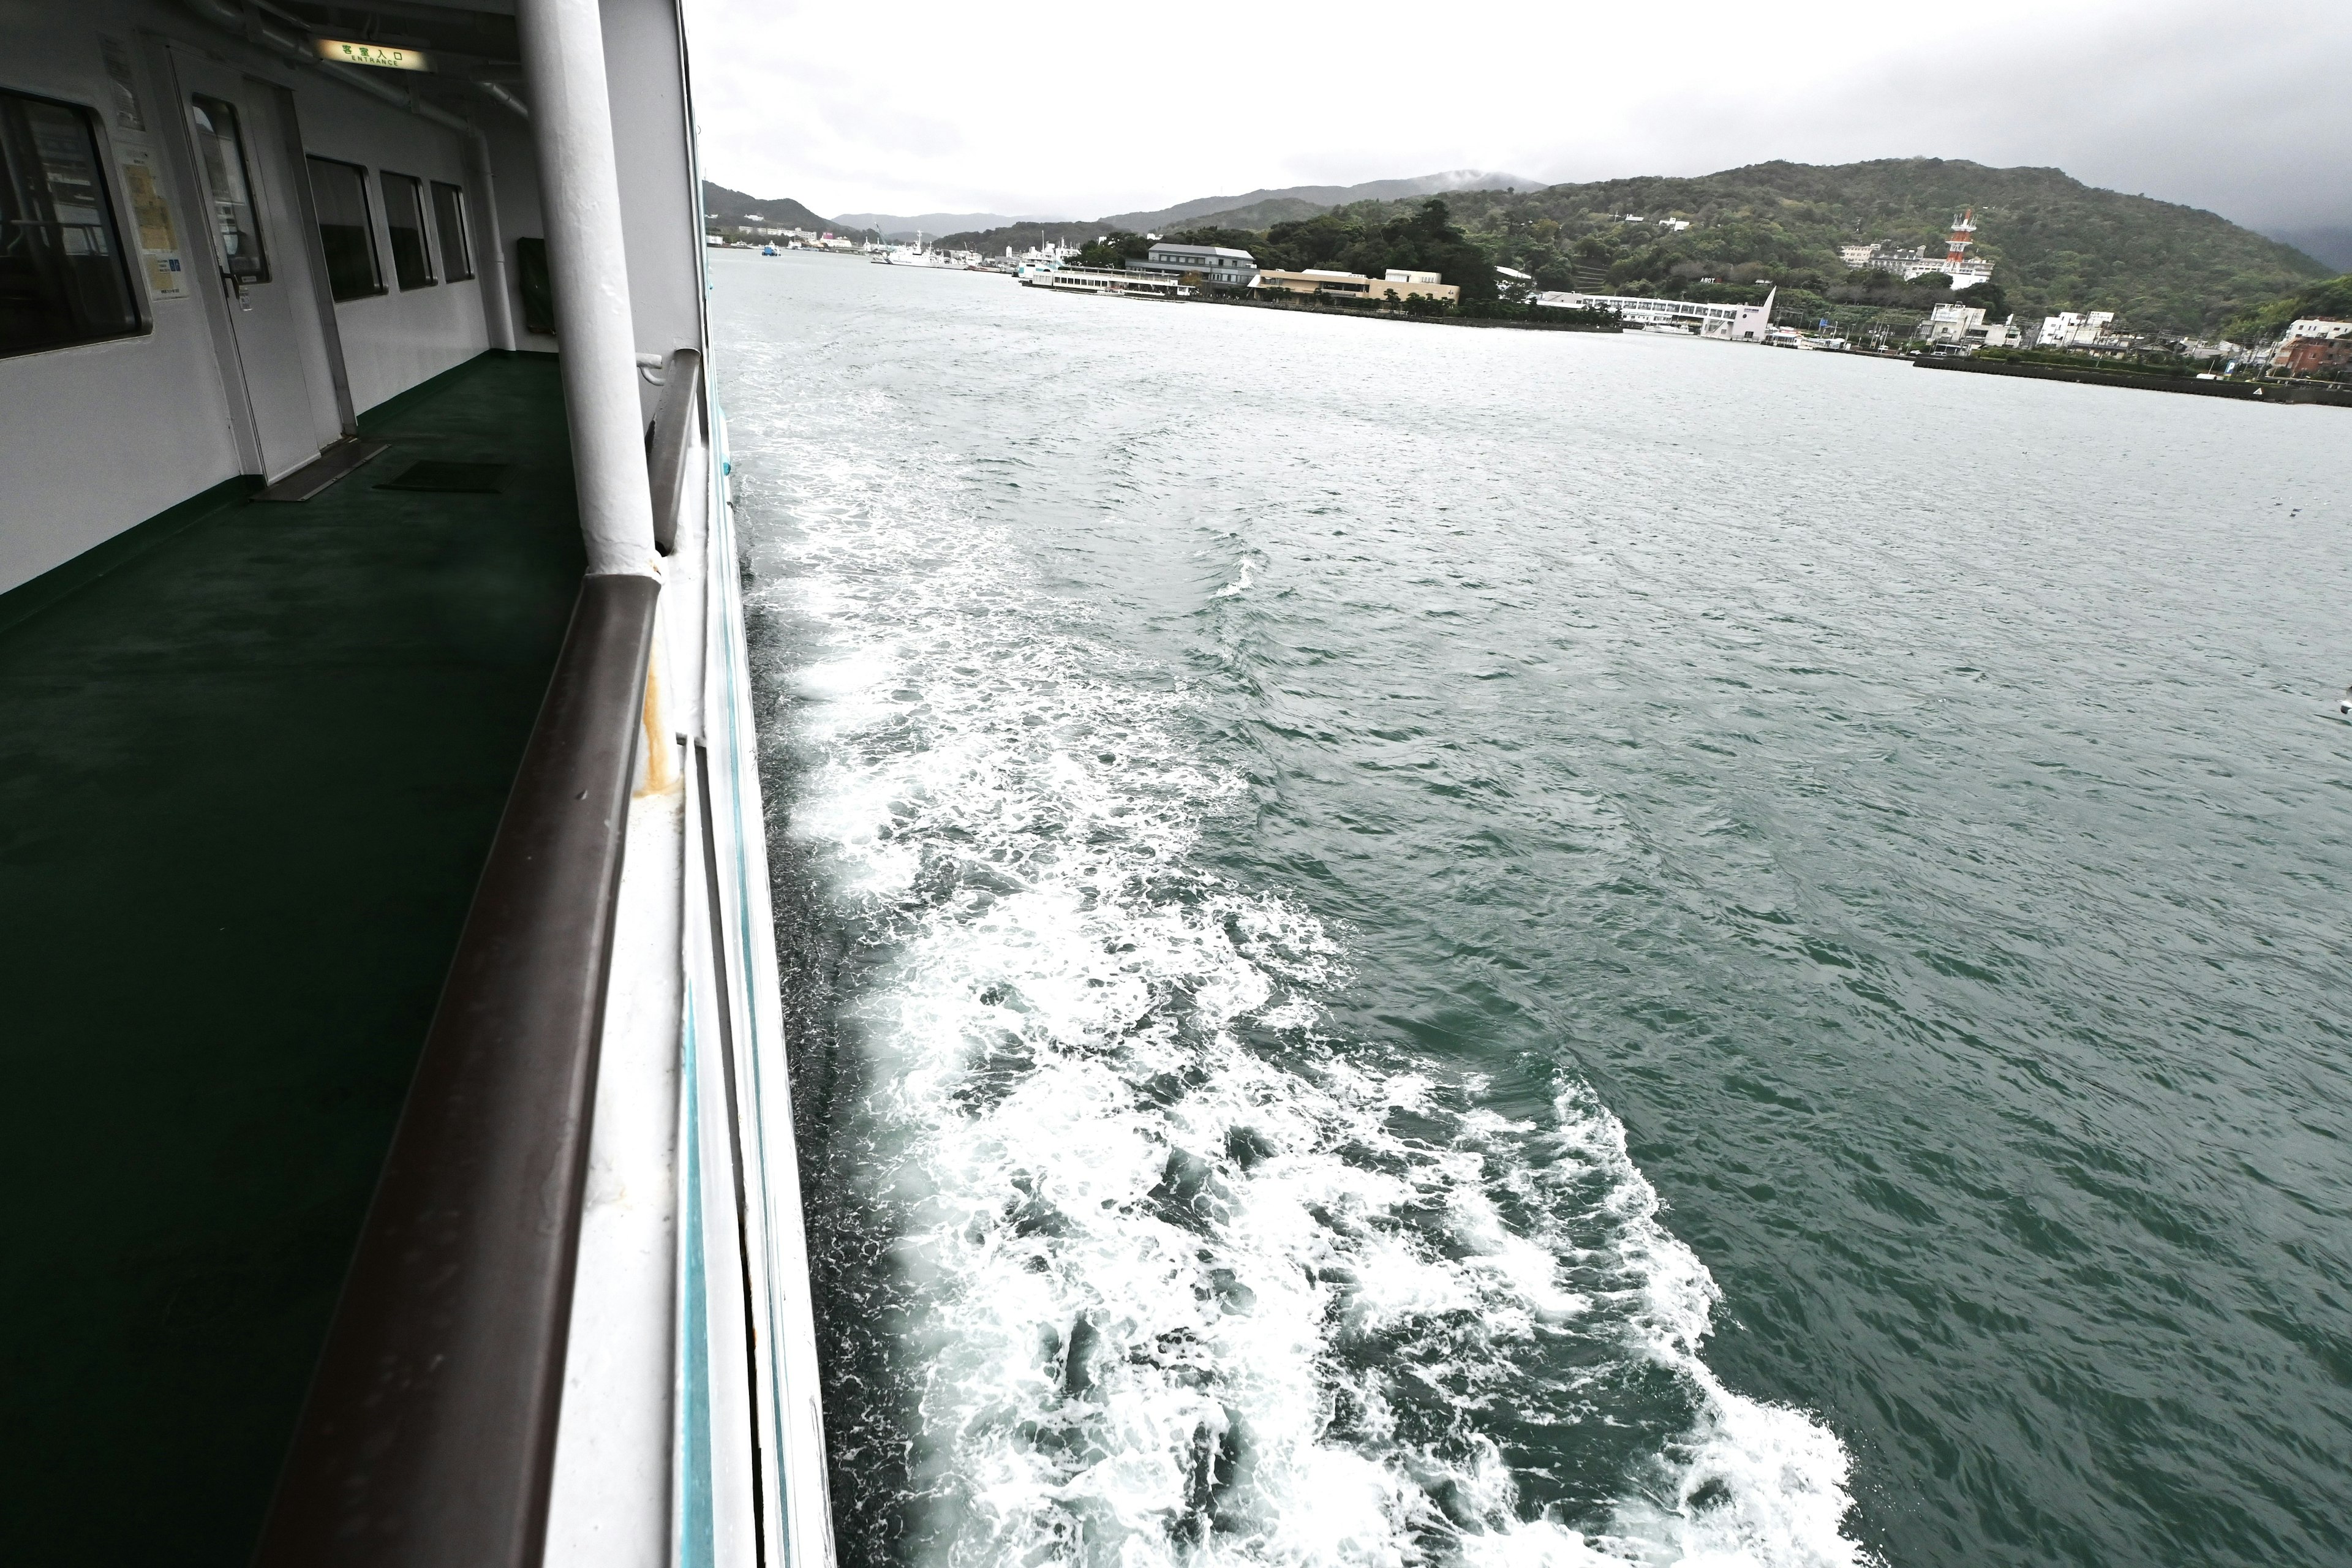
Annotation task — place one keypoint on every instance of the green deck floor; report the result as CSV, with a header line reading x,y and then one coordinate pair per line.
x,y
247,777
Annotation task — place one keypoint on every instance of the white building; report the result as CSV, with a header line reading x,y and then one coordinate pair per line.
x,y
2317,327
2070,329
1731,323
1214,263
1966,324
1966,271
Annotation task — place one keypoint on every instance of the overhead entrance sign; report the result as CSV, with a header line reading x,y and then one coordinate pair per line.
x,y
345,53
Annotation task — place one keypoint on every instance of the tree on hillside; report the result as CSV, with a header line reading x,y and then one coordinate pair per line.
x,y
1422,237
1318,241
1988,297
2057,243
1427,241
1114,249
1229,238
2329,300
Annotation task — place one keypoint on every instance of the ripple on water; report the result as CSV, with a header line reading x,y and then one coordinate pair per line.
x,y
1172,1264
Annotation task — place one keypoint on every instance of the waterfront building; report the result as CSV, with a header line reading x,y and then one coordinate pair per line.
x,y
2314,354
2316,326
1731,323
2071,328
1967,324
1398,284
1214,263
1966,271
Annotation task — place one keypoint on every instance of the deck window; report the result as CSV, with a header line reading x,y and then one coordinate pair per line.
x,y
229,177
63,276
404,218
346,229
449,220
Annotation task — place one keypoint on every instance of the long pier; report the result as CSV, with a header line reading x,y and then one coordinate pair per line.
x,y
2244,391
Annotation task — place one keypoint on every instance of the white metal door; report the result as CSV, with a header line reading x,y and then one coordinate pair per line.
x,y
260,258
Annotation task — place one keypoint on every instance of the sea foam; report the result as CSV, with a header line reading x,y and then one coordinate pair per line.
x,y
1186,1275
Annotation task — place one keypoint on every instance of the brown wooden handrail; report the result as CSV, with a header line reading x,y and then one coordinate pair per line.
x,y
428,1437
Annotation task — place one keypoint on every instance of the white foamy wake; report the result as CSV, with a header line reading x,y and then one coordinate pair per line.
x,y
1195,1281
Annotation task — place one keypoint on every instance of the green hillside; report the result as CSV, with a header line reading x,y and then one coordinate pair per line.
x,y
2057,243
1022,237
728,210
1265,213
2331,299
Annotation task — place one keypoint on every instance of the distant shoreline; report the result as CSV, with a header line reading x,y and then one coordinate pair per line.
x,y
1394,315
2244,392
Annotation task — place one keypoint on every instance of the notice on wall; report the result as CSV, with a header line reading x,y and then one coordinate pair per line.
x,y
160,256
126,91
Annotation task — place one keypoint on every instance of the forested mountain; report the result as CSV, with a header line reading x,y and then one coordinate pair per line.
x,y
2331,299
1305,200
723,208
1024,235
906,225
2057,243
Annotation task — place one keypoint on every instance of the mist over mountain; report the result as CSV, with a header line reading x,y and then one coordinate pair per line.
x,y
2333,246
1256,208
735,209
1305,200
905,225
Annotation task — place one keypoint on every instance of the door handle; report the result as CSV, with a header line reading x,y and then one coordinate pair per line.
x,y
232,285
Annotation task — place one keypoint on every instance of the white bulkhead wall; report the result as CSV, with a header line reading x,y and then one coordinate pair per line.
x,y
514,168
397,338
94,438
97,437
645,69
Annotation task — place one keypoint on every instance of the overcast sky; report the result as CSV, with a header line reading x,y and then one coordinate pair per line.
x,y
1078,108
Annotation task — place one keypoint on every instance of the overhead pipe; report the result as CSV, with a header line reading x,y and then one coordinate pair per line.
x,y
580,195
504,95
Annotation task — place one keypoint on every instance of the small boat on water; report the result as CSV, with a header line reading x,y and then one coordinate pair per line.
x,y
919,255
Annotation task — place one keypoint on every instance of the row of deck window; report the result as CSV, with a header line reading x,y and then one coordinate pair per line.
x,y
340,191
66,278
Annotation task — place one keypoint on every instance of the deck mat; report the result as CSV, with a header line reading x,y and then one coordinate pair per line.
x,y
447,479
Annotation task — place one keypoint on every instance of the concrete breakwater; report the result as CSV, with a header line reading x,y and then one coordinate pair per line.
x,y
2250,392
1535,324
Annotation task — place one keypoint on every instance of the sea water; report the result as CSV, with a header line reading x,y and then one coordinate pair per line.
x,y
1420,945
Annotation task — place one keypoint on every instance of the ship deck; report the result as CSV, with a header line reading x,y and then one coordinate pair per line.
x,y
251,762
